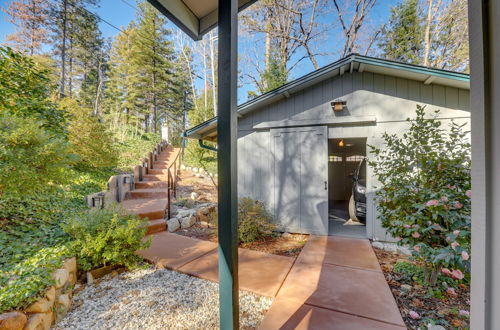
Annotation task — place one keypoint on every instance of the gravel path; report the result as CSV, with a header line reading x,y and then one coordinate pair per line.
x,y
156,299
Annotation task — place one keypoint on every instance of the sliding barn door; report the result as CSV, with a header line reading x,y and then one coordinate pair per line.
x,y
300,180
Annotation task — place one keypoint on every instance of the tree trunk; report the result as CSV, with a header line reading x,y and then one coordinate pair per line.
x,y
212,67
63,48
427,34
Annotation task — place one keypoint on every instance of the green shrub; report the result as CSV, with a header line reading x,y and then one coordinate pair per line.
x,y
132,148
26,90
106,237
31,159
254,221
425,199
89,138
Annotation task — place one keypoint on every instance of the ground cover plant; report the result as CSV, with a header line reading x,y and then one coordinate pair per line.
x,y
419,306
52,154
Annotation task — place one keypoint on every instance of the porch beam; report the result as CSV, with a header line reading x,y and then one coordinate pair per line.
x,y
227,166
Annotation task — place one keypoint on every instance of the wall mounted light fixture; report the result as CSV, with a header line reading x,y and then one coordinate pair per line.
x,y
338,105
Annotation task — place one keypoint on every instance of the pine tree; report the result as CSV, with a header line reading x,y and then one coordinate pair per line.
x,y
146,81
30,18
401,38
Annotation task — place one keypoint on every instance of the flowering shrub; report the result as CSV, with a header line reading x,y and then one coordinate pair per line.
x,y
424,198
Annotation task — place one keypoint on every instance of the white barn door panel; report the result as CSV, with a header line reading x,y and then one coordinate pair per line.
x,y
300,180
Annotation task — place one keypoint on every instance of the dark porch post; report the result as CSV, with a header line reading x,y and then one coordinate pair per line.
x,y
227,170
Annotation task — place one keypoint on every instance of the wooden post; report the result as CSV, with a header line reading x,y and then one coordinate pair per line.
x,y
227,167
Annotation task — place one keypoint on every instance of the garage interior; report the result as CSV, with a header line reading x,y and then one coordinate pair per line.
x,y
344,157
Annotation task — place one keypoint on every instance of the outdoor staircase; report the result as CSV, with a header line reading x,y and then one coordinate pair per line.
x,y
150,199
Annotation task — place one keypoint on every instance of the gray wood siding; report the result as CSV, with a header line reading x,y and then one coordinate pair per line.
x,y
391,100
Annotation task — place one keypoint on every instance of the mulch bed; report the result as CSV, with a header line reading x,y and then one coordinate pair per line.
x,y
289,245
417,298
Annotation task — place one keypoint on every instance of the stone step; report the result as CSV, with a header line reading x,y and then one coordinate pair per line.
x,y
158,171
147,193
156,226
146,208
151,184
154,177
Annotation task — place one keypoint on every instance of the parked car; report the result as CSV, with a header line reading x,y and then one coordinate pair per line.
x,y
357,202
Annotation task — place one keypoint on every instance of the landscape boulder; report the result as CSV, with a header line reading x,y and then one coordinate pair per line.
x,y
188,221
43,304
12,321
40,321
173,225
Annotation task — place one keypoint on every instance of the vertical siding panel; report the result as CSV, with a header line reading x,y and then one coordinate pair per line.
x,y
378,83
273,111
438,95
357,81
402,88
451,94
426,94
414,90
317,101
336,87
368,81
327,96
463,99
298,103
390,86
308,103
346,83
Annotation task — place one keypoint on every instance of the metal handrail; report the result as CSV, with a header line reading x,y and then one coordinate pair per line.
x,y
172,181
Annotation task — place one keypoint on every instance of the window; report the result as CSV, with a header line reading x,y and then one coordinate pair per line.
x,y
355,158
334,159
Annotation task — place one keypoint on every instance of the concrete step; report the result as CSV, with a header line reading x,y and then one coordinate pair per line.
x,y
151,184
154,177
147,193
156,226
146,208
158,171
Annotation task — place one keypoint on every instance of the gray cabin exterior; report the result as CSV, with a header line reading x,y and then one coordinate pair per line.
x,y
288,138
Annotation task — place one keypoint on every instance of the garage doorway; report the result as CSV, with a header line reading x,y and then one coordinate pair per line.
x,y
346,187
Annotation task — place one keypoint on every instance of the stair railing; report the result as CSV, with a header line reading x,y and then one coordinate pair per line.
x,y
173,174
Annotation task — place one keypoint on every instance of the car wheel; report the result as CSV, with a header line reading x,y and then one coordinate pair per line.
x,y
352,209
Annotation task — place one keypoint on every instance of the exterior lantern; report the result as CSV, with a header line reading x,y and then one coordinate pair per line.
x,y
338,105
197,17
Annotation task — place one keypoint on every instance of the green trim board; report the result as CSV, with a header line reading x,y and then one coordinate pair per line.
x,y
206,130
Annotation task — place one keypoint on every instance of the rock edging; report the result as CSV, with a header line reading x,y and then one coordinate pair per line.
x,y
48,309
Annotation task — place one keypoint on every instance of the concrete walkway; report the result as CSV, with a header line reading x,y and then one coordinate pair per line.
x,y
259,272
335,283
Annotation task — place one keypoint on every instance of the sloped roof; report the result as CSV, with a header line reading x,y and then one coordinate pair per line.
x,y
207,130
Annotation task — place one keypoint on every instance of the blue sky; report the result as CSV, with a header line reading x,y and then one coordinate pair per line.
x,y
121,12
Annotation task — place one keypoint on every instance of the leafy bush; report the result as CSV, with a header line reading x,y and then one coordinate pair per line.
x,y
133,147
424,200
26,91
196,156
254,221
31,159
106,237
89,138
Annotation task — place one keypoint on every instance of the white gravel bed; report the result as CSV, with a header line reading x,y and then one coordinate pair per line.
x,y
156,299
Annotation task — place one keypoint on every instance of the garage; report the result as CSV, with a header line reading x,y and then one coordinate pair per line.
x,y
347,187
301,147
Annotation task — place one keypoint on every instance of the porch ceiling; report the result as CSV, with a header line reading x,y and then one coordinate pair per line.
x,y
194,17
